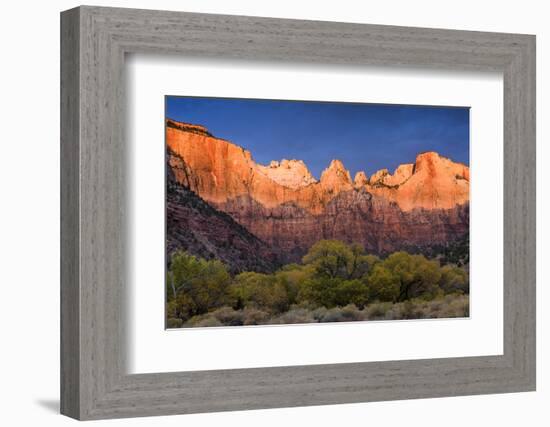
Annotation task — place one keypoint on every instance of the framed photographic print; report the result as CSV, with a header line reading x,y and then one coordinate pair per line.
x,y
301,212
282,243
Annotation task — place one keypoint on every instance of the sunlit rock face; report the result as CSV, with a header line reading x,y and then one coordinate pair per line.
x,y
360,179
432,182
196,226
419,204
288,173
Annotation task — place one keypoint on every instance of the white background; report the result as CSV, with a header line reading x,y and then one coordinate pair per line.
x,y
150,78
29,218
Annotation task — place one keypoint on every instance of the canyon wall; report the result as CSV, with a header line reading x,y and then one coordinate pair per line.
x,y
421,204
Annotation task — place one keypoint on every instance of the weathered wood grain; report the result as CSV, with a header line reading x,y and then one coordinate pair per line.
x,y
94,270
70,220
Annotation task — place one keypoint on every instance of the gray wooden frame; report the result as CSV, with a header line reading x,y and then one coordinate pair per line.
x,y
94,382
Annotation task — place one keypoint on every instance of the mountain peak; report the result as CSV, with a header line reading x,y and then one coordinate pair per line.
x,y
285,208
220,171
431,158
379,175
360,179
336,176
337,165
289,173
433,164
428,155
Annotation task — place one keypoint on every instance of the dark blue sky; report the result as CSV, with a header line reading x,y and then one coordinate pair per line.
x,y
364,136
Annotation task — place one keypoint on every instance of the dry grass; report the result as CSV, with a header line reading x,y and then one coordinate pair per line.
x,y
448,306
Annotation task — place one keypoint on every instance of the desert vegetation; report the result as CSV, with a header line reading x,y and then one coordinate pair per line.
x,y
335,282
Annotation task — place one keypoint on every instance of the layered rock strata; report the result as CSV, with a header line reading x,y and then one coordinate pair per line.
x,y
421,204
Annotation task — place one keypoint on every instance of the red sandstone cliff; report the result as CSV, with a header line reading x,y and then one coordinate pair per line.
x,y
194,225
419,204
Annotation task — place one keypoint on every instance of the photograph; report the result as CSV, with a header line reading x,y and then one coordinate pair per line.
x,y
292,212
246,213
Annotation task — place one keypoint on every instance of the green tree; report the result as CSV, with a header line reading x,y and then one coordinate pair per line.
x,y
352,291
330,258
320,291
333,274
250,289
454,279
196,285
384,285
416,275
331,292
335,259
361,263
184,268
337,273
293,277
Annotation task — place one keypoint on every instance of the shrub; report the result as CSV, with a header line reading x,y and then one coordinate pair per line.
x,y
296,315
342,314
459,306
333,315
174,323
254,316
228,317
319,313
207,321
454,279
337,282
201,321
377,311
